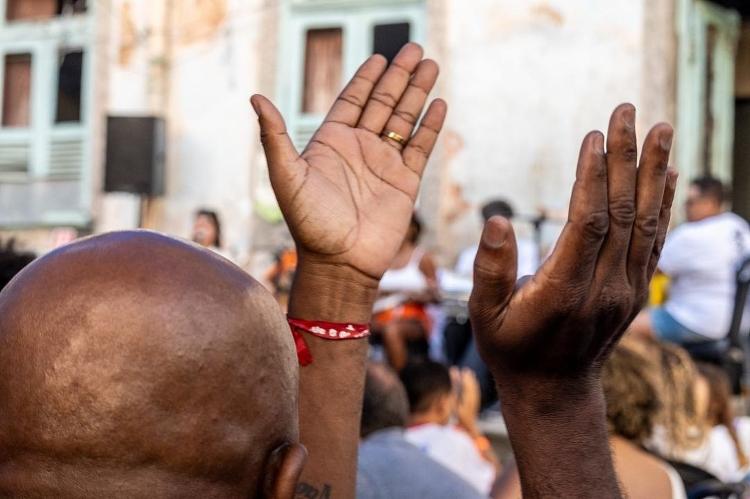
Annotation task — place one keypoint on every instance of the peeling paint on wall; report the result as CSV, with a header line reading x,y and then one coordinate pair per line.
x,y
128,36
198,20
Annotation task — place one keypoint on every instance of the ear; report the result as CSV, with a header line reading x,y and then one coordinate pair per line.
x,y
283,471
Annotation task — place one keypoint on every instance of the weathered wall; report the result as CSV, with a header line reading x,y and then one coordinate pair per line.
x,y
528,79
525,80
200,82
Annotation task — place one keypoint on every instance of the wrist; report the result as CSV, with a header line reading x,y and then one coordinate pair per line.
x,y
331,292
551,400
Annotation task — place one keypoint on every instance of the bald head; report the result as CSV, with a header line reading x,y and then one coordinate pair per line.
x,y
135,364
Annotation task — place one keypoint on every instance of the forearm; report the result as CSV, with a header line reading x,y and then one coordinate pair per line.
x,y
331,387
559,437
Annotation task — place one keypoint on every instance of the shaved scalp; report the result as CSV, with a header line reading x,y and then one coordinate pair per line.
x,y
133,364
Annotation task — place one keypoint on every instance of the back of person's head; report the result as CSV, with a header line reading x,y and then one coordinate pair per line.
x,y
632,399
385,404
136,365
428,386
711,187
720,411
497,207
706,197
12,261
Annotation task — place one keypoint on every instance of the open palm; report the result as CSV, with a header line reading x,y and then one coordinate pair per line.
x,y
349,196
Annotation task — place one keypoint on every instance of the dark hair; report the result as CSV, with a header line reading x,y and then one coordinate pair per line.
x,y
415,228
425,381
497,207
384,404
203,212
12,262
632,399
711,187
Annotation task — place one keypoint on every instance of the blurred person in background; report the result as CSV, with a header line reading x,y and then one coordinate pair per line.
x,y
700,258
12,261
632,410
721,453
401,313
434,401
389,466
528,250
683,432
207,231
281,275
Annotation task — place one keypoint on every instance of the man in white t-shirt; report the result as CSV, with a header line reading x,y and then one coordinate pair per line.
x,y
701,258
433,402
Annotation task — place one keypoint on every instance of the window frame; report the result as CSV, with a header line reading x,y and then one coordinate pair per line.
x,y
357,20
45,39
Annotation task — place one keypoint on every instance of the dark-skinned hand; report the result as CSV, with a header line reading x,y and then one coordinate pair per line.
x,y
348,197
562,322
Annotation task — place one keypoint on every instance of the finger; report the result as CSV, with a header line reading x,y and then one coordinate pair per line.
x,y
348,106
622,154
407,112
576,253
280,152
276,142
419,148
495,267
665,214
652,178
390,88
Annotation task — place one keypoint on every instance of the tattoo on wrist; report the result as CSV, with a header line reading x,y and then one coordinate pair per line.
x,y
308,491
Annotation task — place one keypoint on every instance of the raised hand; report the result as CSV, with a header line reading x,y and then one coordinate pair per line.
x,y
546,340
564,320
348,197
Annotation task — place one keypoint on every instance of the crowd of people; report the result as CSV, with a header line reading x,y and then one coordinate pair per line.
x,y
138,365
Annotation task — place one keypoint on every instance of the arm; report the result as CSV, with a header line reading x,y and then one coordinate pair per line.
x,y
546,341
347,200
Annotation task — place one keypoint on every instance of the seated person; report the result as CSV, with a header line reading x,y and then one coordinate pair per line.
x,y
389,466
721,453
433,405
632,411
701,258
401,312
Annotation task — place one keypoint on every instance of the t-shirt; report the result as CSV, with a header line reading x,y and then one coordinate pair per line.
x,y
389,467
701,259
455,450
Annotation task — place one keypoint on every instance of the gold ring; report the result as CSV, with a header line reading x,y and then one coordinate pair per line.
x,y
394,136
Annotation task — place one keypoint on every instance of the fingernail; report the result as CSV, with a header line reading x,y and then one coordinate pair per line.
x,y
666,141
672,176
493,236
599,144
255,107
629,117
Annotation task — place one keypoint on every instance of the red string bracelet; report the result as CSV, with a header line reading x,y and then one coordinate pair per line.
x,y
325,330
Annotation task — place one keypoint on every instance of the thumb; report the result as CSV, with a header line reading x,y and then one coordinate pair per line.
x,y
277,144
495,267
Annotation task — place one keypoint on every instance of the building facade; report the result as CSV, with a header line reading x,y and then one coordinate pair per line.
x,y
524,79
